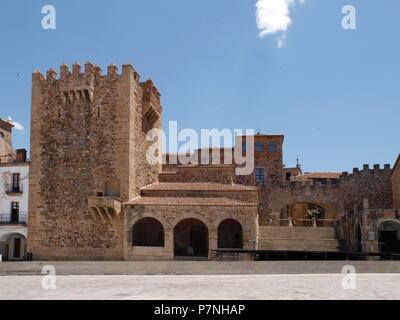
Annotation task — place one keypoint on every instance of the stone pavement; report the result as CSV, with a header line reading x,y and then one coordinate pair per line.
x,y
196,267
188,287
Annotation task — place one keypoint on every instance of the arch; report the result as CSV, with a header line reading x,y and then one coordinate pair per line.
x,y
389,236
230,234
191,238
301,211
389,225
148,232
14,246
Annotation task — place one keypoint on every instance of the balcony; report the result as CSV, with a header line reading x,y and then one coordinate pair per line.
x,y
105,208
14,218
12,189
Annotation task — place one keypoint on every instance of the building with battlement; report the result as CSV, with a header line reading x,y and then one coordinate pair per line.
x,y
94,195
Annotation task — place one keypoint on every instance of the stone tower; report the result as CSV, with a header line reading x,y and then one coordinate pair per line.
x,y
88,156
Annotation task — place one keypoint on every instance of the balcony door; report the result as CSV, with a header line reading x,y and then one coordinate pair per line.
x,y
14,212
15,182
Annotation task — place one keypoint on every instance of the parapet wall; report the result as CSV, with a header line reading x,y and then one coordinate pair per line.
x,y
372,183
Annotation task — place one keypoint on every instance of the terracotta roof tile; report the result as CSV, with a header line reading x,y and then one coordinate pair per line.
x,y
185,201
197,186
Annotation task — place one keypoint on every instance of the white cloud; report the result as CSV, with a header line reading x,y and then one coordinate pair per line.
x,y
17,125
273,16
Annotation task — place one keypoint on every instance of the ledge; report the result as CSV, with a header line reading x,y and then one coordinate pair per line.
x,y
105,208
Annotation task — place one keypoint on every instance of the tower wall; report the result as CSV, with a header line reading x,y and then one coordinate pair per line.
x,y
86,140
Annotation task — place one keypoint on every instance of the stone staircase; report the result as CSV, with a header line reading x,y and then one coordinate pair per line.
x,y
299,239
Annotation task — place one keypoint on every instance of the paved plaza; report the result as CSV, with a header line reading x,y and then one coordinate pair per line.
x,y
173,287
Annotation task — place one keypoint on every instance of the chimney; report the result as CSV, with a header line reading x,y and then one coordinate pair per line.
x,y
20,155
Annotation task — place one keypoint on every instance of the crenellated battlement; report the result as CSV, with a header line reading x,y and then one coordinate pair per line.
x,y
76,85
90,70
311,186
366,170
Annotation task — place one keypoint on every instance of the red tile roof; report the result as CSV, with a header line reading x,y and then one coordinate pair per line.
x,y
185,201
197,186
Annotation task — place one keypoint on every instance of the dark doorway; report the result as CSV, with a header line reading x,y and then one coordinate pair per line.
x,y
230,235
191,239
17,248
389,241
148,232
15,182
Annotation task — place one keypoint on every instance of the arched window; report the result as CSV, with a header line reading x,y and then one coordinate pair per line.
x,y
272,146
148,232
230,235
1,135
258,147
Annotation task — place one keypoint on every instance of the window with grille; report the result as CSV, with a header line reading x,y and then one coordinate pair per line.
x,y
260,175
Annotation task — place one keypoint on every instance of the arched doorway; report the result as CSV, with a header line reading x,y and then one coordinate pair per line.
x,y
230,235
389,236
191,238
148,232
301,214
15,247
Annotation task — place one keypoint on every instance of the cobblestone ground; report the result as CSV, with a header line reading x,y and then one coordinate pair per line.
x,y
170,287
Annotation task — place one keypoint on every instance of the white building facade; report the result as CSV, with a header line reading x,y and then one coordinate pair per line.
x,y
14,190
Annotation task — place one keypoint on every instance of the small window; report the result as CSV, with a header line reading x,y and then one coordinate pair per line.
x,y
272,146
1,135
288,176
259,147
260,175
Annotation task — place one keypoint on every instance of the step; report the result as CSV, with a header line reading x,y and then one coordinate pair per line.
x,y
330,245
197,268
296,232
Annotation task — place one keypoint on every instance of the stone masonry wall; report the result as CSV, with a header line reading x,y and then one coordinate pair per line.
x,y
84,133
373,184
396,185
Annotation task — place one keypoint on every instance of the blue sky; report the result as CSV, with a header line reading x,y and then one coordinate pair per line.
x,y
334,94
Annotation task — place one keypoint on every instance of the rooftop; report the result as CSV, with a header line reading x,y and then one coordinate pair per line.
x,y
185,201
197,186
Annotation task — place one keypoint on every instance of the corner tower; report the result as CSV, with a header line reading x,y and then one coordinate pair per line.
x,y
88,155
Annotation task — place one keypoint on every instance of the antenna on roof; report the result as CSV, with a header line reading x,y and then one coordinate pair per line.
x,y
298,165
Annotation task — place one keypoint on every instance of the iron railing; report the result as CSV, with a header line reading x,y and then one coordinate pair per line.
x,y
13,188
14,218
